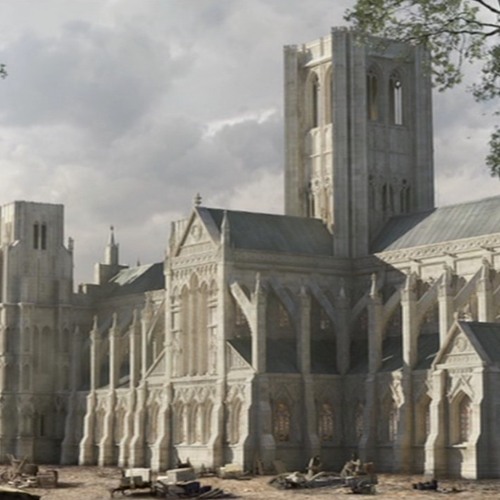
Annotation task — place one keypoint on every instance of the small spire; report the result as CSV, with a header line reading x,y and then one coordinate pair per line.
x,y
111,254
197,200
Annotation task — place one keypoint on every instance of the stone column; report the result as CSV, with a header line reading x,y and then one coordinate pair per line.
x,y
106,445
69,451
485,302
87,455
160,456
375,338
343,333
137,445
259,327
303,338
311,443
134,371
403,449
375,325
446,309
435,451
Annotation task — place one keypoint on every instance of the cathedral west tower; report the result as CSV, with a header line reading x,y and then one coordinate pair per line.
x,y
358,132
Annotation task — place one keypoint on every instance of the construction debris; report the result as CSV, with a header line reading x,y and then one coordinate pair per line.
x,y
22,474
359,477
175,483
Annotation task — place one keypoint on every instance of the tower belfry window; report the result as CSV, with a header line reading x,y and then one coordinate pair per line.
x,y
396,99
43,237
39,236
315,102
36,235
315,97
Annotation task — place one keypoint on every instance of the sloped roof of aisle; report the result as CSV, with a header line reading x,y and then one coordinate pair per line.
x,y
271,232
449,223
138,279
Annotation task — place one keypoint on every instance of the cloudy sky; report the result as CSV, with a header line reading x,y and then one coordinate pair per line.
x,y
123,110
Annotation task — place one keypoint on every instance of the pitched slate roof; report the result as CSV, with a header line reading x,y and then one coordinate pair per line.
x,y
138,279
454,222
269,232
488,336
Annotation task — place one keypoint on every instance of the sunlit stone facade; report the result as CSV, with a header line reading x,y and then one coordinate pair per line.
x,y
363,320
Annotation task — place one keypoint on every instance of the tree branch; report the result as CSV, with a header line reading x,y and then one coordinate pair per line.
x,y
488,6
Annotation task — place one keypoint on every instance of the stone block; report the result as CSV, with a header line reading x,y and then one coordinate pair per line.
x,y
180,475
140,475
231,471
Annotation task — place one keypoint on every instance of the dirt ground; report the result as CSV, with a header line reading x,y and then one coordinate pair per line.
x,y
94,483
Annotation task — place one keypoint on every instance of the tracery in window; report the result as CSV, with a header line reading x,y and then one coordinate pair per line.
x,y
325,422
465,418
282,422
358,421
396,99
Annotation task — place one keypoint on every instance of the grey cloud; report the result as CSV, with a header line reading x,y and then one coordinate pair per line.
x,y
94,77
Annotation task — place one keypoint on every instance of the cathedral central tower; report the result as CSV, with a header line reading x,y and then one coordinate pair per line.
x,y
358,134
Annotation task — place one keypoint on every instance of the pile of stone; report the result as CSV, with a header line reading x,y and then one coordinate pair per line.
x,y
175,483
22,474
183,483
359,477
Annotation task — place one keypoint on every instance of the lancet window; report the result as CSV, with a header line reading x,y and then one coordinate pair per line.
x,y
328,97
325,422
282,421
465,418
396,99
358,422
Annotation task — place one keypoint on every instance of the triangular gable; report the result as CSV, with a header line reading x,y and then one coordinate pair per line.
x,y
238,359
461,348
196,237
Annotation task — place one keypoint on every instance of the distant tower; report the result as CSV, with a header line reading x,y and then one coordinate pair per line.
x,y
358,130
36,328
111,266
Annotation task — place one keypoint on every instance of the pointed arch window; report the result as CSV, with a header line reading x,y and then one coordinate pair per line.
x,y
282,421
325,422
314,100
465,418
358,422
36,235
396,99
372,95
328,97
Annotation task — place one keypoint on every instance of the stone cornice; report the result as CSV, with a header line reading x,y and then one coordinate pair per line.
x,y
482,243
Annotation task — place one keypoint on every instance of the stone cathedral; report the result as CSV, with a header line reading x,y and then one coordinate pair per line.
x,y
363,320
